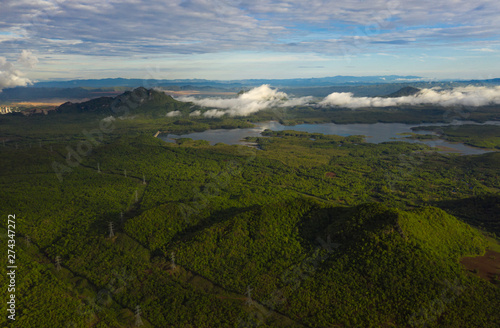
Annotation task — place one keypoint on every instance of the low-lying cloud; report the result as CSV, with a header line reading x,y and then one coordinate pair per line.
x,y
264,97
461,96
9,76
174,113
247,103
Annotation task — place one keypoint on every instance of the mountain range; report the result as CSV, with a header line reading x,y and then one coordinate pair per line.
x,y
149,83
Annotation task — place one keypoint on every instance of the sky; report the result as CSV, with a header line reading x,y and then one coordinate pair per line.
x,y
223,40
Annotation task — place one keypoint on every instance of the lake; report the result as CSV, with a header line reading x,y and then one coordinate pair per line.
x,y
375,133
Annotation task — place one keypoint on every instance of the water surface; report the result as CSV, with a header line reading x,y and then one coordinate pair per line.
x,y
375,133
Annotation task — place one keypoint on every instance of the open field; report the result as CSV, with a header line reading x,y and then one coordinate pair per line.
x,y
54,102
486,266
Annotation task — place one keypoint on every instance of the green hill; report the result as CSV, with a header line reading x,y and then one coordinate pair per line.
x,y
148,102
367,266
403,92
97,105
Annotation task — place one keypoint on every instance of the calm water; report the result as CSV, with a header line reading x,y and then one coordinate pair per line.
x,y
375,133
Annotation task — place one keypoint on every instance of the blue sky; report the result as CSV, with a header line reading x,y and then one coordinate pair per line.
x,y
222,39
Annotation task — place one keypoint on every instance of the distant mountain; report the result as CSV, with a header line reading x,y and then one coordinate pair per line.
x,y
334,80
367,86
139,100
134,83
483,82
30,94
231,84
406,91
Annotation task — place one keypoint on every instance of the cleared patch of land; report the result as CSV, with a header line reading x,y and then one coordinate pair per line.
x,y
54,102
486,266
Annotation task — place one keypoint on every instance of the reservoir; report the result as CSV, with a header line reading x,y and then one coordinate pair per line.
x,y
374,133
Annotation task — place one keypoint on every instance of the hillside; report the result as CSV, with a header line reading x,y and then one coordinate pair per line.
x,y
138,101
403,92
302,257
225,236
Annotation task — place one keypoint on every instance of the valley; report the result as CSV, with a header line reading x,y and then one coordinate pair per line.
x,y
306,229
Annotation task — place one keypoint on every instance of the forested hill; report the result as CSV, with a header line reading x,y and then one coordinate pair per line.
x,y
403,92
139,100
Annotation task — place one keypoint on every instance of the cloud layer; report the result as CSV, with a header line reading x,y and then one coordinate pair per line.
x,y
463,96
208,38
264,97
11,77
247,103
114,27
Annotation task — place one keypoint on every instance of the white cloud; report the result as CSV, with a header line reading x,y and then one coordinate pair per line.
x,y
200,26
461,96
248,103
127,27
483,50
109,119
131,29
9,76
213,113
28,59
173,113
63,42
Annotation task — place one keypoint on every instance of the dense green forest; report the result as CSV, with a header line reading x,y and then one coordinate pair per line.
x,y
117,228
485,136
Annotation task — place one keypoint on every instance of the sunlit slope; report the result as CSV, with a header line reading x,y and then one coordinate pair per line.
x,y
368,265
